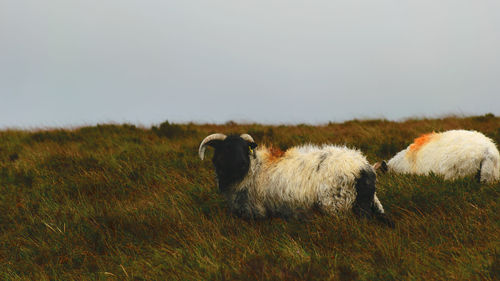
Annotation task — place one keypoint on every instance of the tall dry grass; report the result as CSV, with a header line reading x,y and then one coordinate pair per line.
x,y
117,202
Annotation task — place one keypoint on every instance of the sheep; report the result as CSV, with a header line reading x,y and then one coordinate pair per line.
x,y
451,154
266,182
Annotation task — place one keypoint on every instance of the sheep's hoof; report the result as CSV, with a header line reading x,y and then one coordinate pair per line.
x,y
384,219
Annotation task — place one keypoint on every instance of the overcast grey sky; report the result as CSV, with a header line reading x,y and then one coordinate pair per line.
x,y
66,62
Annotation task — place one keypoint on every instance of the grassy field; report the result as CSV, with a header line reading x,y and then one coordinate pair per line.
x,y
118,202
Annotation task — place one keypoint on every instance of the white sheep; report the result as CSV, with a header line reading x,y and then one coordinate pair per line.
x,y
265,182
452,154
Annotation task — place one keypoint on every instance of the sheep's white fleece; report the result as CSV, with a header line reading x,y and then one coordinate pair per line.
x,y
452,154
303,177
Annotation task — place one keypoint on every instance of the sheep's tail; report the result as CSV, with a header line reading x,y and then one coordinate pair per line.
x,y
489,169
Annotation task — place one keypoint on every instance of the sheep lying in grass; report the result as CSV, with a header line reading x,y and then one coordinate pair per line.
x,y
262,182
452,154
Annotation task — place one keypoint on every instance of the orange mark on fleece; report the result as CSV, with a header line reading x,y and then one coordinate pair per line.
x,y
421,141
275,154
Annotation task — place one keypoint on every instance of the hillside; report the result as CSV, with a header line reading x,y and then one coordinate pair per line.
x,y
119,202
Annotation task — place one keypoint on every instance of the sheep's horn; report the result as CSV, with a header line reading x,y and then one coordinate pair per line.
x,y
201,150
247,137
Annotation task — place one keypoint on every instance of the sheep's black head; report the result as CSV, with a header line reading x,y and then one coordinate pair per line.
x,y
231,157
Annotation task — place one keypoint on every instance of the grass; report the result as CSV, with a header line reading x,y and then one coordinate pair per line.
x,y
118,202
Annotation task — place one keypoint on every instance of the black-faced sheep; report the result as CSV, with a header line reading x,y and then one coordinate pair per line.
x,y
451,154
262,182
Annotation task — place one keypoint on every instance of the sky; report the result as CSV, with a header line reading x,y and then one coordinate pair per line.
x,y
71,63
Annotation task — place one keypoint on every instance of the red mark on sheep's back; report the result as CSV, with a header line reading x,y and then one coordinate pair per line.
x,y
275,154
421,141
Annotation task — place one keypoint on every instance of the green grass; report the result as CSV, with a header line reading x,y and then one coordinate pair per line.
x,y
118,202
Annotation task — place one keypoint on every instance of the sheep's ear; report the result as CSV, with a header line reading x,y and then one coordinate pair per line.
x,y
252,145
381,166
384,167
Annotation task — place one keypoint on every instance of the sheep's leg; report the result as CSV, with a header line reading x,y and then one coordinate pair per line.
x,y
488,170
478,174
242,206
365,192
377,206
367,203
